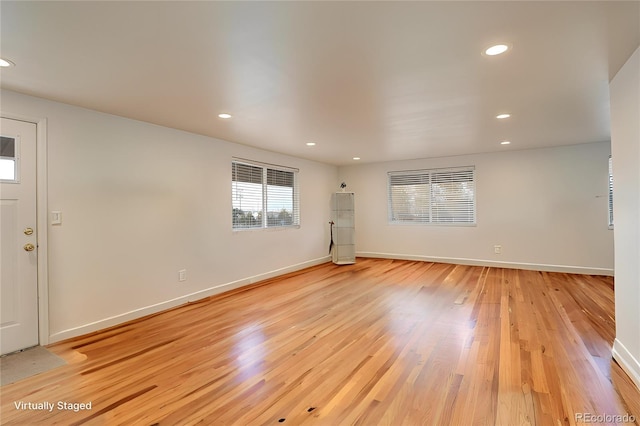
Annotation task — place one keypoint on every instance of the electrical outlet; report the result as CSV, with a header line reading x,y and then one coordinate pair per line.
x,y
497,249
182,275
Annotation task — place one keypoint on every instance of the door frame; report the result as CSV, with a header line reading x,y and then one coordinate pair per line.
x,y
42,221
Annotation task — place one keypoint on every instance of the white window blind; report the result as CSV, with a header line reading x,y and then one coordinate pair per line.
x,y
436,196
610,193
264,196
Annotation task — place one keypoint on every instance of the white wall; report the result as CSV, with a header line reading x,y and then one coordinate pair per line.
x,y
625,145
546,207
139,202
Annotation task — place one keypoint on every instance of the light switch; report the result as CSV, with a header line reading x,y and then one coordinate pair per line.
x,y
56,218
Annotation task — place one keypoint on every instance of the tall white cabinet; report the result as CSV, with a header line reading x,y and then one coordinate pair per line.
x,y
344,241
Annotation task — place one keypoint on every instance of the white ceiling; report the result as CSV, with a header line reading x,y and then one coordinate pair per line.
x,y
378,80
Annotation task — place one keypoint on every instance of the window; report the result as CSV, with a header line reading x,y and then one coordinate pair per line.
x,y
437,196
610,193
8,163
264,196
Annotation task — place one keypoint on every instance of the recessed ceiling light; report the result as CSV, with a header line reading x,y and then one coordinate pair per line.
x,y
311,144
356,158
502,116
224,115
497,49
505,143
6,63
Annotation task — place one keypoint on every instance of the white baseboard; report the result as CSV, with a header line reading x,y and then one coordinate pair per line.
x,y
625,359
192,297
482,262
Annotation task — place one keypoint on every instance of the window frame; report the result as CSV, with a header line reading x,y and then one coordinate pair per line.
x,y
269,173
424,176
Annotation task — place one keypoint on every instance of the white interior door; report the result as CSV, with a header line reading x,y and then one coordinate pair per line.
x,y
18,236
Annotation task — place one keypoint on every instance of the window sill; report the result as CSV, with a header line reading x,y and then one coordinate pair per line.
x,y
461,225
269,229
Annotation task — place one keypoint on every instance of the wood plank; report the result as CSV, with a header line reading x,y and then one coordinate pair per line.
x,y
377,342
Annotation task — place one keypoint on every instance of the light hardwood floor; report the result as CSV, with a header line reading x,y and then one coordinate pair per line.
x,y
379,342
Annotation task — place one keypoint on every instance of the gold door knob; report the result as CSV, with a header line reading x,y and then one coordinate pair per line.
x,y
29,247
28,231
